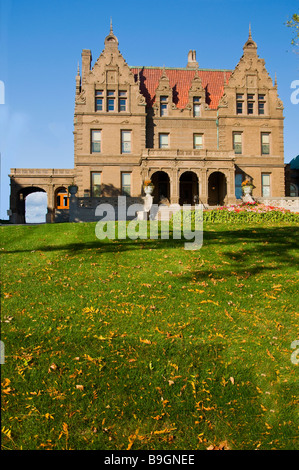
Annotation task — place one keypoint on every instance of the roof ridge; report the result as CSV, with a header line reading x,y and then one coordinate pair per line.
x,y
178,68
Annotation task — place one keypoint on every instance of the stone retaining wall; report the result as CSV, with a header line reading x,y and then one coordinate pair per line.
x,y
290,203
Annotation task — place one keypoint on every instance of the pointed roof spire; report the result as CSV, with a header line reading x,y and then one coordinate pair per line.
x,y
111,40
78,69
250,45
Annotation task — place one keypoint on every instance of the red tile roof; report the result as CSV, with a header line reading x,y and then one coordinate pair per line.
x,y
180,81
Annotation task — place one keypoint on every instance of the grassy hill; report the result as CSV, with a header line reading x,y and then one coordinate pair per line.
x,y
123,344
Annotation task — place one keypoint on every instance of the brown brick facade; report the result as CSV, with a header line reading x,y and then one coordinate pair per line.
x,y
196,133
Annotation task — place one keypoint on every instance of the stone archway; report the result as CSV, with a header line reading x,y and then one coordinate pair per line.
x,y
161,182
21,202
25,181
188,188
61,198
217,189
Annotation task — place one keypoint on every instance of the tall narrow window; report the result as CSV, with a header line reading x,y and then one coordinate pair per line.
x,y
239,103
95,184
237,142
126,142
99,100
265,137
126,184
122,101
163,141
250,104
261,104
196,106
163,105
197,141
96,141
110,100
266,192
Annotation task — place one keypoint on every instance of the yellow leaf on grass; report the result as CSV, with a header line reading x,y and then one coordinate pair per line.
x,y
209,301
165,430
132,439
146,341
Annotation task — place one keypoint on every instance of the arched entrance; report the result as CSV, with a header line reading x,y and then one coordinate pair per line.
x,y
32,205
61,198
188,188
161,182
217,189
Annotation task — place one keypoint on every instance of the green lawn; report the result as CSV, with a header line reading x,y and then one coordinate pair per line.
x,y
145,345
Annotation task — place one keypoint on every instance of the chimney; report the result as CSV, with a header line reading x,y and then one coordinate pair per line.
x,y
192,63
86,63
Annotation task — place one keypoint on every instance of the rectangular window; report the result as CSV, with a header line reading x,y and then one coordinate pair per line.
x,y
163,141
122,101
196,106
95,184
163,105
250,104
96,141
265,137
237,142
126,184
125,141
239,104
261,104
197,141
266,185
99,100
110,101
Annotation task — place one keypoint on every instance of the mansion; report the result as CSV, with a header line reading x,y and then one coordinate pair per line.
x,y
196,133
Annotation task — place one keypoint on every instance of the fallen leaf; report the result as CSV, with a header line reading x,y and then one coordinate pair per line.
x,y
146,341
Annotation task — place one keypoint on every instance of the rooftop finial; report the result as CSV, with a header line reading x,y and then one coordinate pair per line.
x,y
249,37
111,27
78,70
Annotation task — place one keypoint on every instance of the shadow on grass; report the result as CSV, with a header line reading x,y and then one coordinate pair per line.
x,y
272,244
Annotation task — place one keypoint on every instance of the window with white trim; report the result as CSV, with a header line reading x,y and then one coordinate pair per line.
x,y
197,141
237,142
163,141
266,189
126,184
96,141
126,145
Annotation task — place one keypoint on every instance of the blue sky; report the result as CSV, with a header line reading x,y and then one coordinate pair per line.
x,y
41,44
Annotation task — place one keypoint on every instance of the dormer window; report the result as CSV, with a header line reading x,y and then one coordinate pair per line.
x,y
122,101
110,100
239,103
250,104
163,105
99,97
196,106
261,104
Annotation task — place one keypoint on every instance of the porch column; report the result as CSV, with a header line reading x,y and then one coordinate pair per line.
x,y
50,216
203,186
230,183
174,187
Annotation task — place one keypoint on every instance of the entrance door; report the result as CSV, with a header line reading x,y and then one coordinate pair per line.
x,y
161,182
217,189
188,188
